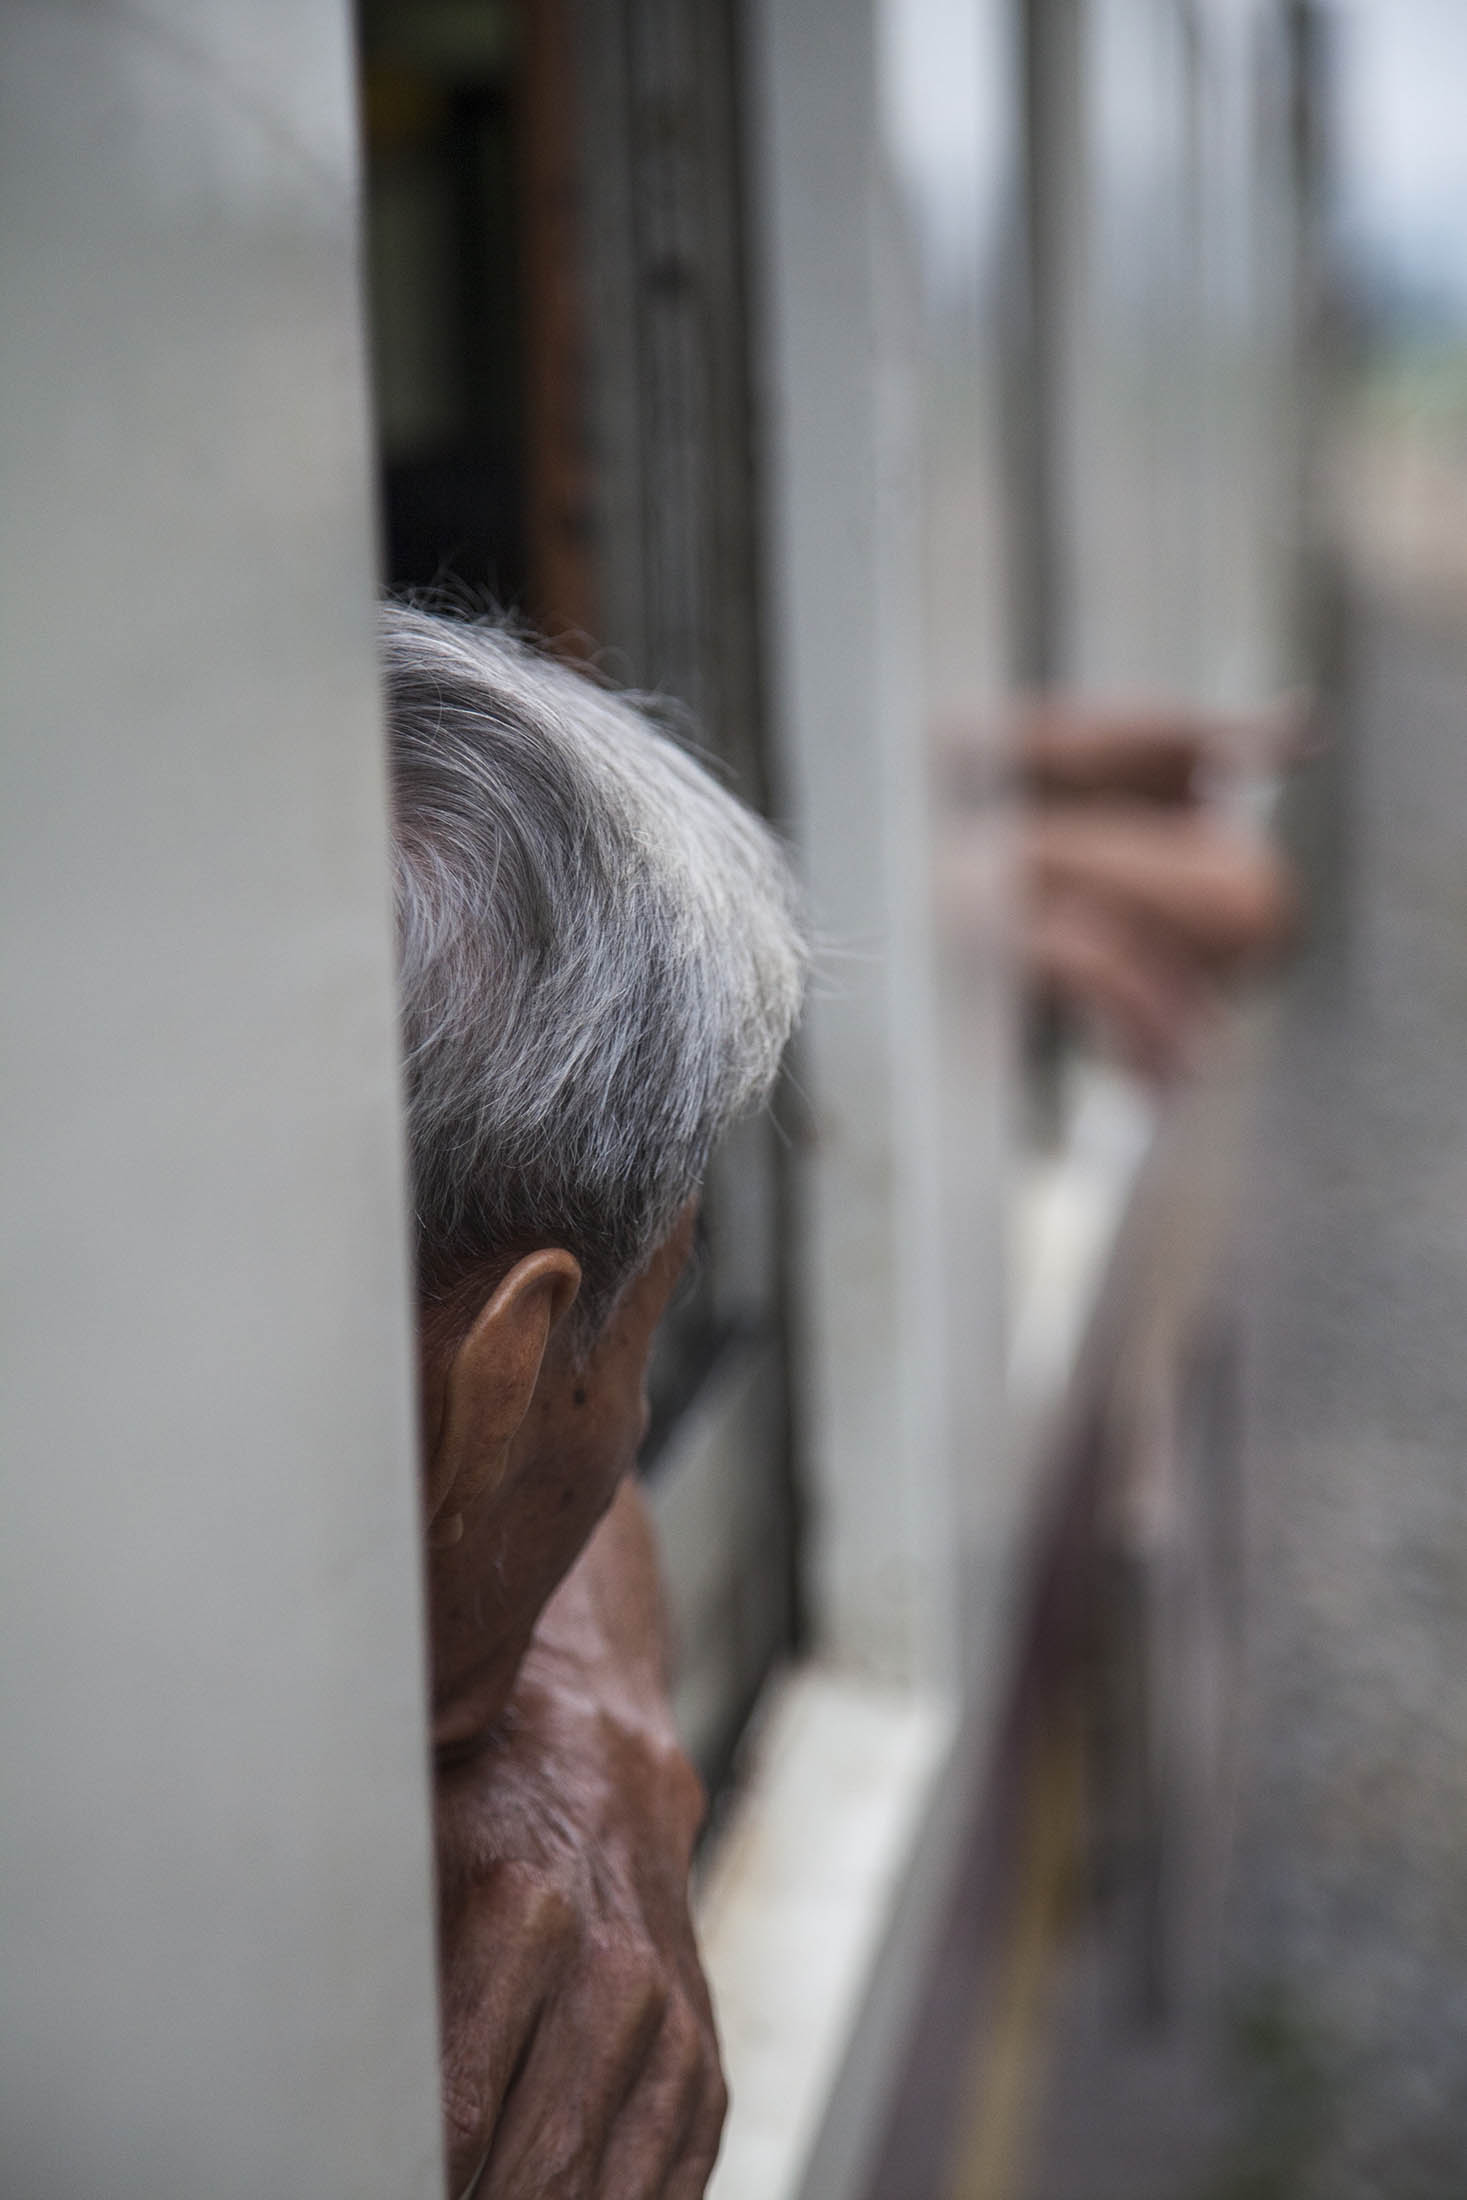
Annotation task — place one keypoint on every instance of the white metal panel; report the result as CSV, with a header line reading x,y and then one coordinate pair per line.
x,y
844,300
214,1856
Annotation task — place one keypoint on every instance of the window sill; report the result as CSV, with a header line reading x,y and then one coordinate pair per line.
x,y
810,1912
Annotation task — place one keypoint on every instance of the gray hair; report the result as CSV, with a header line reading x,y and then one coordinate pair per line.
x,y
600,958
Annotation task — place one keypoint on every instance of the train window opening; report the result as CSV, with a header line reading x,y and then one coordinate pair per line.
x,y
559,345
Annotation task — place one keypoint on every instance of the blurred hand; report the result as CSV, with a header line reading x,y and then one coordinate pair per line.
x,y
1158,753
579,2053
1141,919
1142,902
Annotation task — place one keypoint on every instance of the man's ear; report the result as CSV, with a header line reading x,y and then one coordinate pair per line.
x,y
488,1385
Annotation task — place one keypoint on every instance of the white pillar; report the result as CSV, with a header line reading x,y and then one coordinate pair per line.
x,y
900,1325
214,1857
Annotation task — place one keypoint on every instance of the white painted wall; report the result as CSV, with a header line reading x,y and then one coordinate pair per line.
x,y
214,1860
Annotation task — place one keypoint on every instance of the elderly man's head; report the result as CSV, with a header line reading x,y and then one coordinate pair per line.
x,y
600,963
600,966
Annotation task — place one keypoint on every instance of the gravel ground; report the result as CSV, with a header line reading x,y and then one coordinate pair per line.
x,y
1346,1951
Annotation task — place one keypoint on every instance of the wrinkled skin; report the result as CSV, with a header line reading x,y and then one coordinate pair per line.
x,y
580,2056
580,2060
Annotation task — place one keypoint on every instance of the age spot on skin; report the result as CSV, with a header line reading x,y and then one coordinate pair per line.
x,y
579,1395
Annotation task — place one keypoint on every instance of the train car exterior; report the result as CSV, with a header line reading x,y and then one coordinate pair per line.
x,y
838,370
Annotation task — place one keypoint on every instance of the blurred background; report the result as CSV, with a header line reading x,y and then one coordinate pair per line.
x,y
1242,1971
1023,444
